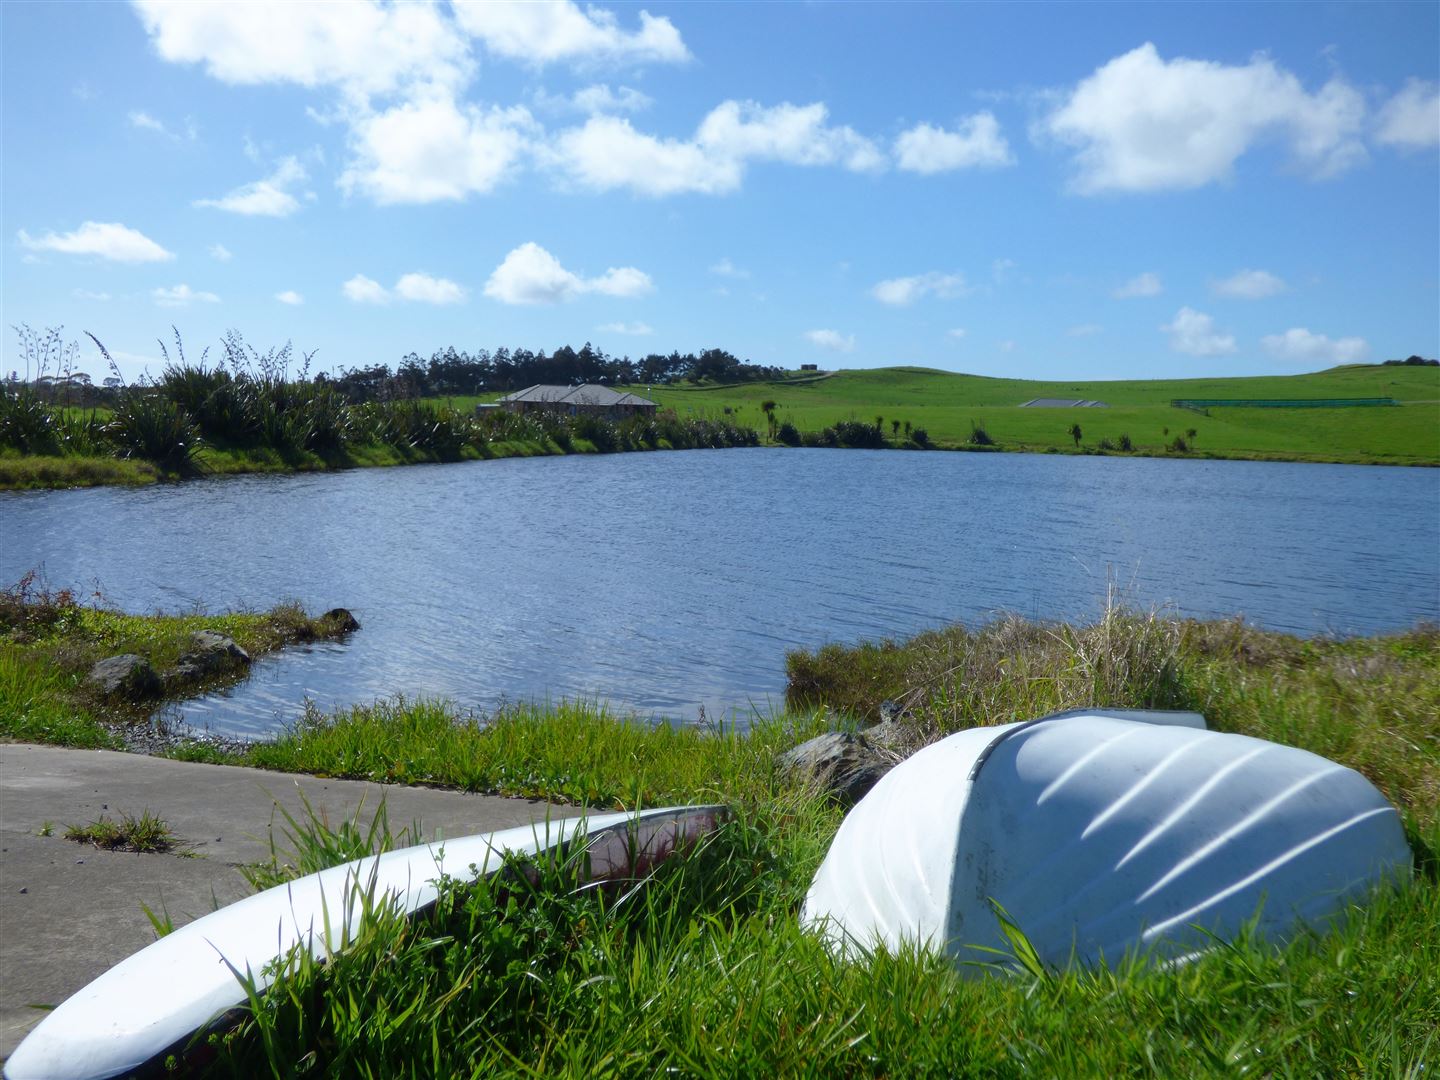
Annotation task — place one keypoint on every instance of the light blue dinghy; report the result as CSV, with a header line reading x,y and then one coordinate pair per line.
x,y
1102,832
151,1003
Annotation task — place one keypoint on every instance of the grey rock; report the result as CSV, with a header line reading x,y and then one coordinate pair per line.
x,y
211,652
127,676
214,643
842,763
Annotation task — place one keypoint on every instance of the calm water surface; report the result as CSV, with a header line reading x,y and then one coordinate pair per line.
x,y
664,582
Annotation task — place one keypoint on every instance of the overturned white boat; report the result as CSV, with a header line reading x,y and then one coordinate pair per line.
x,y
149,1005
1099,833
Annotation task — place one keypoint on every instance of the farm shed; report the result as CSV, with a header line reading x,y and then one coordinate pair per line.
x,y
586,399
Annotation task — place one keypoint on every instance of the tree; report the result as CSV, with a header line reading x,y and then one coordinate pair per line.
x,y
1076,434
768,408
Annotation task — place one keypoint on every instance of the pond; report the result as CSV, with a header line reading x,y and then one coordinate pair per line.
x,y
665,582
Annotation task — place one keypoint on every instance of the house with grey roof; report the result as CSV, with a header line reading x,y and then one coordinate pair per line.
x,y
587,399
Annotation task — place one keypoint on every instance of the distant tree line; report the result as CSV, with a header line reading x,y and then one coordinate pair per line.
x,y
1412,361
453,372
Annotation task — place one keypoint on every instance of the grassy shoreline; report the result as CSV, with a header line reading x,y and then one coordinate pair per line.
x,y
44,446
40,472
49,642
1369,702
702,969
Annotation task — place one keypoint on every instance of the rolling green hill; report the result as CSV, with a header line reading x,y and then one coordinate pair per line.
x,y
946,404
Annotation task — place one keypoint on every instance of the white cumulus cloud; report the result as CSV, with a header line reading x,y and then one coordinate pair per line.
x,y
363,290
267,197
1142,123
360,47
428,290
1146,284
415,287
607,152
1193,333
975,143
1084,330
904,291
531,275
291,297
624,281
601,99
400,74
1411,119
957,334
545,33
220,253
831,339
1249,285
635,329
182,296
596,99
435,150
797,134
1300,345
106,240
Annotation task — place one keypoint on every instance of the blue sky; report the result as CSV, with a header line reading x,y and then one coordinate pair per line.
x,y
1032,190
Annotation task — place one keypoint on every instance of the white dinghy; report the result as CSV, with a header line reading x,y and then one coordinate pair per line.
x,y
1098,833
150,1004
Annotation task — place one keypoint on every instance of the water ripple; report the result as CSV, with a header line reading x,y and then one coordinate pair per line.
x,y
664,582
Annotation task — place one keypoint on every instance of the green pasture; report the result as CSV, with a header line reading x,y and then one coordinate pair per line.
x,y
947,404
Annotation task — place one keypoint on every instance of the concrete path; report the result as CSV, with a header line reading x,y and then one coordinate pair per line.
x,y
69,912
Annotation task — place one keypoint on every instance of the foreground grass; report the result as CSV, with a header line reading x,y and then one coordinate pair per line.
x,y
146,834
946,405
575,753
701,970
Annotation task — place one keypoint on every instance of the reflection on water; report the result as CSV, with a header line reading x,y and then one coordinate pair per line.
x,y
661,582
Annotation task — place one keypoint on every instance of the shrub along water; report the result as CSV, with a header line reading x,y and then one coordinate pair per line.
x,y
249,411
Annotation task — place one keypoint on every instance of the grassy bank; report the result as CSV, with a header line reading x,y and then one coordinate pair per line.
x,y
702,970
249,414
949,408
450,437
49,642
